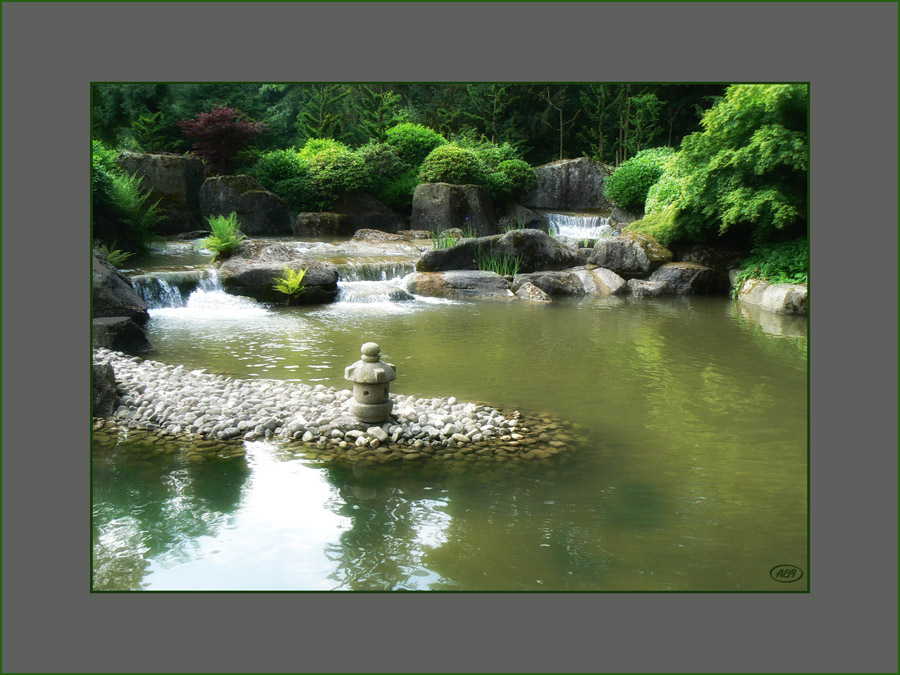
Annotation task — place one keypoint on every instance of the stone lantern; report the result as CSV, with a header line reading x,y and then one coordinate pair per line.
x,y
371,379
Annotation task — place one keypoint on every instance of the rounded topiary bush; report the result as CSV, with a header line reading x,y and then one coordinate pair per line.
x,y
286,174
336,171
278,165
413,142
382,160
452,164
628,186
512,178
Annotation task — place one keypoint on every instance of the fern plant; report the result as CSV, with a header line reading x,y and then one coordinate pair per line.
x,y
225,238
291,284
114,256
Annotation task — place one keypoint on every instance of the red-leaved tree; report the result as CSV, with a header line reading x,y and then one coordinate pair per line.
x,y
219,135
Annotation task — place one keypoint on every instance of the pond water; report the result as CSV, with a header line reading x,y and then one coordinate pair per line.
x,y
688,473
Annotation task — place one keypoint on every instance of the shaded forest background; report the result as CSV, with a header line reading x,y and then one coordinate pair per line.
x,y
609,122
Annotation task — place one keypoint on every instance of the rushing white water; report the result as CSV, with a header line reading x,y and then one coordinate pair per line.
x,y
377,270
578,226
391,290
173,289
204,305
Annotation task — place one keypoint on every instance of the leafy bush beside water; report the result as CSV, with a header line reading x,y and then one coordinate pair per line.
x,y
628,186
784,263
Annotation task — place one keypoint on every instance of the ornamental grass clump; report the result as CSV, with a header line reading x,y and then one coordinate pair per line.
x,y
442,240
225,238
291,284
503,264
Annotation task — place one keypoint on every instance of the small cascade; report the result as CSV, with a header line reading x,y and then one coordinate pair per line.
x,y
391,290
579,226
172,289
374,270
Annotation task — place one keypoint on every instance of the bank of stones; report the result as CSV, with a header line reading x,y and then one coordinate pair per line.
x,y
212,410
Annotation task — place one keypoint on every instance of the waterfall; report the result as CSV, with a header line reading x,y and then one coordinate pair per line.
x,y
578,226
391,290
172,289
374,270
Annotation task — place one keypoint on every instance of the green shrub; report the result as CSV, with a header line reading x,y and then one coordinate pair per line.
x,y
782,263
225,238
628,186
314,146
382,160
398,193
511,179
413,142
660,225
286,173
335,171
453,164
291,284
746,172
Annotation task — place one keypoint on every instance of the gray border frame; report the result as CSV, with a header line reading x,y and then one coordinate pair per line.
x,y
51,623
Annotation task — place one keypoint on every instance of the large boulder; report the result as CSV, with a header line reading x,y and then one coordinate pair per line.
x,y
104,397
630,254
120,334
323,224
528,291
777,298
172,180
687,277
722,259
537,249
363,211
252,270
552,283
569,184
458,285
258,210
113,294
440,206
600,281
649,289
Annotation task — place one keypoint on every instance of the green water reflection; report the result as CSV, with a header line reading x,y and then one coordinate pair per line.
x,y
690,473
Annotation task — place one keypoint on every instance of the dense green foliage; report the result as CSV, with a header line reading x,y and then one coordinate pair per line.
x,y
120,206
291,284
744,174
453,164
335,171
611,122
627,187
782,263
413,142
226,236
